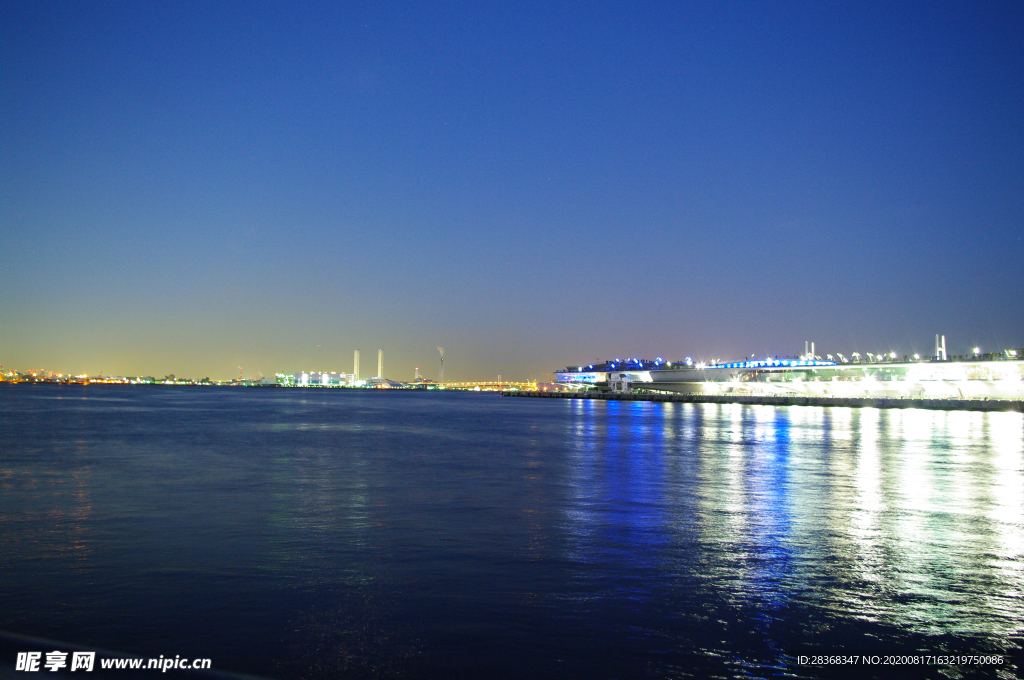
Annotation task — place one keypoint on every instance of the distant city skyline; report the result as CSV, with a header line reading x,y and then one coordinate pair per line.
x,y
810,350
192,188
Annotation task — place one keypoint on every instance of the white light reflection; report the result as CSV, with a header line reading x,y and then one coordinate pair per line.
x,y
946,492
1006,511
908,518
865,524
721,507
1007,448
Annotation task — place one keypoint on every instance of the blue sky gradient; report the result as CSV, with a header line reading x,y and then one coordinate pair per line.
x,y
198,186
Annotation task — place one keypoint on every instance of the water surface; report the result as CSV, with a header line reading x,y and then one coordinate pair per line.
x,y
312,533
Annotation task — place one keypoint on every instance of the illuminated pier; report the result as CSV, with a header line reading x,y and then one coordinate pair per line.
x,y
977,377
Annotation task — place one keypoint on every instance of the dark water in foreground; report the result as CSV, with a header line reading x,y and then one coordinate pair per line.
x,y
329,533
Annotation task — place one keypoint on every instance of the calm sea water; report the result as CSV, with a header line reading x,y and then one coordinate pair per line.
x,y
333,533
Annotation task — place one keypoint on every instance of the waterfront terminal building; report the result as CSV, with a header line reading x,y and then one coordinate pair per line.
x,y
989,376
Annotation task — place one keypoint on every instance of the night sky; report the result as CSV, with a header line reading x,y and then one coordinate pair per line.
x,y
200,186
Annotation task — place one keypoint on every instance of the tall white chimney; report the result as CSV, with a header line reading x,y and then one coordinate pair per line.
x,y
380,363
355,370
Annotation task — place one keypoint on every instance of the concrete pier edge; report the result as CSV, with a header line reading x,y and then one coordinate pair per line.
x,y
850,402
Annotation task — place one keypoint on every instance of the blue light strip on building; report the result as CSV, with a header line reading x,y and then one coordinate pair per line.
x,y
770,363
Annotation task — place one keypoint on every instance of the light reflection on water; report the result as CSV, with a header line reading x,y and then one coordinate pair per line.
x,y
903,517
324,532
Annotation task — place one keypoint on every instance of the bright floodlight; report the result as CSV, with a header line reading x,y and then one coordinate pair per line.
x,y
977,350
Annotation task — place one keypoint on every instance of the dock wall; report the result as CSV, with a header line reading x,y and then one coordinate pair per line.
x,y
851,402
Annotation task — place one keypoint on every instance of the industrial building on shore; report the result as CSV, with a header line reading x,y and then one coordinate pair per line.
x,y
995,376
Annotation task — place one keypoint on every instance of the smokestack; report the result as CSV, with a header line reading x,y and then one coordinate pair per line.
x,y
380,363
805,349
812,350
417,377
355,369
944,357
